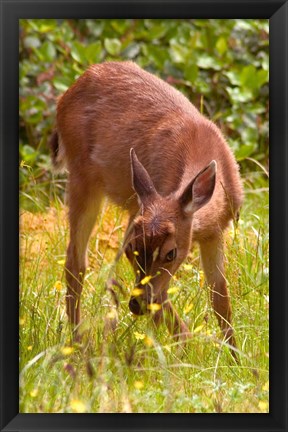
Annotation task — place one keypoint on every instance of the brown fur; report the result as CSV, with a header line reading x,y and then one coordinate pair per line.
x,y
111,108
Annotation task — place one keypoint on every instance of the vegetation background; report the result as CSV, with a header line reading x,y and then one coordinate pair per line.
x,y
222,66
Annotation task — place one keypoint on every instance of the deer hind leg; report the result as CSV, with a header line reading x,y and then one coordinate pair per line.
x,y
212,257
83,209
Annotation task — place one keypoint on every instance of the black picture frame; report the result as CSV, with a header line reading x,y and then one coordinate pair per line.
x,y
11,11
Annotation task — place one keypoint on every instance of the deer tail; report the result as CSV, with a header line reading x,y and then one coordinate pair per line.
x,y
57,151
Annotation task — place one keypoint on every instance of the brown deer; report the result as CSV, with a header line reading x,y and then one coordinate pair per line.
x,y
126,134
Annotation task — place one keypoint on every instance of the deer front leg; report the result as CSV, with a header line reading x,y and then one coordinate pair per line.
x,y
174,323
212,257
75,270
82,215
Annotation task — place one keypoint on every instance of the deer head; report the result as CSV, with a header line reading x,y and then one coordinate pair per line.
x,y
160,237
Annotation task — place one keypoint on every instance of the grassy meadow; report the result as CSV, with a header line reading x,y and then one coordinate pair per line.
x,y
123,363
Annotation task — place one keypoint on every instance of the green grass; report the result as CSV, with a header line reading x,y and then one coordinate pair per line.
x,y
137,368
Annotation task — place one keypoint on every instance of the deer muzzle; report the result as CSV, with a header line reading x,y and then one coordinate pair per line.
x,y
137,305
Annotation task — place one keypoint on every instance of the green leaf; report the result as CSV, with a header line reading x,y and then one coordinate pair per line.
x,y
191,72
244,151
31,102
262,77
131,51
202,87
43,25
249,134
95,27
78,52
243,24
204,61
93,52
28,154
48,50
234,77
239,95
248,77
120,25
179,53
112,46
264,60
156,55
32,42
221,45
257,108
62,83
157,29
35,117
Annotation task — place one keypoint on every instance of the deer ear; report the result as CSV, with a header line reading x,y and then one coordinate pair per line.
x,y
200,189
141,181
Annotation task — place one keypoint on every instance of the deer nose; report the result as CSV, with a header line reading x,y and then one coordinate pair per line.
x,y
136,306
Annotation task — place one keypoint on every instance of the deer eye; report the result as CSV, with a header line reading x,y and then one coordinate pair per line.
x,y
171,255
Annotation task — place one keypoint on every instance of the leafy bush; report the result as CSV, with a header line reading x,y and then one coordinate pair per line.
x,y
221,65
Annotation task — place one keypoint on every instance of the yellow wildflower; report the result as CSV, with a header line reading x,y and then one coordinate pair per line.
x,y
148,341
145,280
263,405
154,307
34,393
24,165
137,292
138,385
139,336
61,262
58,285
188,308
201,278
67,350
172,290
216,344
78,406
187,266
198,329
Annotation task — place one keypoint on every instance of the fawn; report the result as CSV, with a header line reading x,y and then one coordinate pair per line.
x,y
124,133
